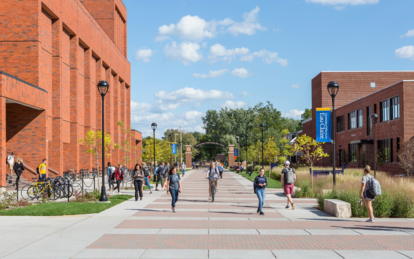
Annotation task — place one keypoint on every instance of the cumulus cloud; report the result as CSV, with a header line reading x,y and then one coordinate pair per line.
x,y
193,115
185,52
244,94
343,2
405,52
219,52
195,28
295,86
410,33
144,54
240,72
188,94
233,105
211,74
266,56
295,114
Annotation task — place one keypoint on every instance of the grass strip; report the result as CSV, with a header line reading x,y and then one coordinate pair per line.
x,y
271,183
65,208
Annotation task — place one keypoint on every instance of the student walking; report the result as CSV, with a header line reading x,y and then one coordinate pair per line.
x,y
10,162
288,179
18,169
138,175
118,176
146,177
164,174
158,172
42,170
366,195
183,168
110,171
221,169
260,183
173,185
212,176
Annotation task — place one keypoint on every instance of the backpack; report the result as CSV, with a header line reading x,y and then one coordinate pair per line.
x,y
375,188
37,170
290,176
146,171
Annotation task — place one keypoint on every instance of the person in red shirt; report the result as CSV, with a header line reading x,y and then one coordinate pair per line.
x,y
118,176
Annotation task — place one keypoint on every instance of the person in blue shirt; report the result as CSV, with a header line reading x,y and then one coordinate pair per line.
x,y
221,169
260,183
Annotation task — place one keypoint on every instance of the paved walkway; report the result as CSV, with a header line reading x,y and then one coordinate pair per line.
x,y
227,228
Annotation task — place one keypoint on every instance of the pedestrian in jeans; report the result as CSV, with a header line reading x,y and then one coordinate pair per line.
x,y
260,183
158,172
173,186
42,170
110,170
164,174
18,169
138,175
288,179
146,171
118,176
221,169
366,195
183,168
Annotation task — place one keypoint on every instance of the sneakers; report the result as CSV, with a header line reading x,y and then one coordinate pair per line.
x,y
293,206
370,220
258,210
287,207
209,197
261,213
119,192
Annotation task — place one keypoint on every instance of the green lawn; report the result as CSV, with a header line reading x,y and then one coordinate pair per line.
x,y
271,183
64,208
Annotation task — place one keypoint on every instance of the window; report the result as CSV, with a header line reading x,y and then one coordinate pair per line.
x,y
395,108
369,121
373,85
340,123
385,110
352,152
352,120
360,118
385,150
375,108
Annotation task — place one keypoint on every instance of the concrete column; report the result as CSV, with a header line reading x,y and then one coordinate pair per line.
x,y
231,155
188,158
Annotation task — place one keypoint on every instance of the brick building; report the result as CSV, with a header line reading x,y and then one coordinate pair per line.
x,y
388,94
52,55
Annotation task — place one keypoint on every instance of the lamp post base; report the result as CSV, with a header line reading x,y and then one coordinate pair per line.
x,y
103,197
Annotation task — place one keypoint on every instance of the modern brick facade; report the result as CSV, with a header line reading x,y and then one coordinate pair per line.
x,y
53,54
356,92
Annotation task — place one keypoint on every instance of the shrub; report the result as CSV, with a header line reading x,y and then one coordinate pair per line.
x,y
9,201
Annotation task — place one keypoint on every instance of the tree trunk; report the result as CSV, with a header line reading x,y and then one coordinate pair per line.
x,y
312,176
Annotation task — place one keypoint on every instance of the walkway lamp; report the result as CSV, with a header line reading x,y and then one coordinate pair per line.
x,y
333,88
154,127
170,139
262,127
103,87
374,118
247,164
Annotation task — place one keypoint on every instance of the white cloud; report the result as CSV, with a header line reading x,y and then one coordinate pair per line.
x,y
295,114
410,33
267,57
244,94
219,52
193,115
144,54
249,26
140,106
240,72
211,74
185,52
295,86
405,52
192,95
344,2
233,104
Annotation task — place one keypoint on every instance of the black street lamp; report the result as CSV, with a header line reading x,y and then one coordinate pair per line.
x,y
170,139
333,88
154,127
262,127
374,117
247,163
103,87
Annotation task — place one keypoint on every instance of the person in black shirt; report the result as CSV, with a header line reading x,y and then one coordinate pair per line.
x,y
18,168
260,183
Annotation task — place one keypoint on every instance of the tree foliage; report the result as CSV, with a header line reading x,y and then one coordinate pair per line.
x,y
406,156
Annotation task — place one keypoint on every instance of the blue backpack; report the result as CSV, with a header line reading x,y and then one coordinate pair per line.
x,y
375,188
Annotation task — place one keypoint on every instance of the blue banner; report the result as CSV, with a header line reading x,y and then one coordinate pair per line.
x,y
174,148
236,152
323,125
273,165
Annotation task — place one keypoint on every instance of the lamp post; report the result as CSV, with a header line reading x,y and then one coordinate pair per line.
x,y
175,142
333,88
374,117
154,127
262,127
238,150
170,139
103,87
247,164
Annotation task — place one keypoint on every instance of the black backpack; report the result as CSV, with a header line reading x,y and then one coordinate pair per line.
x,y
146,172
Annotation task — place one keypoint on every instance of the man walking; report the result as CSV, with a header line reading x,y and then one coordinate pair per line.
x,y
288,179
221,169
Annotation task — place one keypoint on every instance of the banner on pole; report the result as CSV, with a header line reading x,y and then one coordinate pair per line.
x,y
323,125
236,152
174,148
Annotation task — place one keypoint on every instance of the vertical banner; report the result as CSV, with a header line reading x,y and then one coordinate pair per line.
x,y
174,148
323,125
236,152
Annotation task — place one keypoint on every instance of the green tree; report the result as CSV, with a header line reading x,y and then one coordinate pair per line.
x,y
271,152
125,143
162,150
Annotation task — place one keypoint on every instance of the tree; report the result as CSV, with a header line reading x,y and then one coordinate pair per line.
x,y
125,143
162,150
310,149
406,156
271,152
306,115
93,141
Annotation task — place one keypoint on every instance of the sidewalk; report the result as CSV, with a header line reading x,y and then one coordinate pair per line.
x,y
227,228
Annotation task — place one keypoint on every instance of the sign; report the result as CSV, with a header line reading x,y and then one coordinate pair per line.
x,y
174,148
323,125
273,165
236,152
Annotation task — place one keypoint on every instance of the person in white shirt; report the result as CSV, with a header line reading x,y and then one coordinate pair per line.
x,y
10,162
212,175
183,168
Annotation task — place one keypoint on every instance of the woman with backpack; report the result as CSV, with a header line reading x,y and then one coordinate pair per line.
x,y
212,175
366,195
158,172
146,178
138,175
173,185
118,176
260,183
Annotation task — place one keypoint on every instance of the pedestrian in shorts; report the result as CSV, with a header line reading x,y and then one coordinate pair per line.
x,y
288,180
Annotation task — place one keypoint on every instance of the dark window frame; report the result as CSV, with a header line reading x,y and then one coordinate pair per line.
x,y
352,151
340,124
386,145
369,121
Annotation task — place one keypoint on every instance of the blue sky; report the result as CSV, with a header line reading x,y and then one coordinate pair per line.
x,y
191,56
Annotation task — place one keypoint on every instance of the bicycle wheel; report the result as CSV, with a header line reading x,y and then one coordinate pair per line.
x,y
213,192
23,192
32,192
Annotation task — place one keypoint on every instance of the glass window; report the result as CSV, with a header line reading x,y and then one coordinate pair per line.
x,y
340,123
352,120
360,118
385,149
352,152
369,121
395,104
385,110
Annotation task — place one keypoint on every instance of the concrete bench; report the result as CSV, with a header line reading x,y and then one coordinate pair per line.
x,y
337,208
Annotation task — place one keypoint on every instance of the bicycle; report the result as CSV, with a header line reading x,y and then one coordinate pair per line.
x,y
39,187
213,189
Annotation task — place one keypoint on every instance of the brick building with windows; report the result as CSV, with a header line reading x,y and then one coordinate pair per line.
x,y
388,94
52,55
